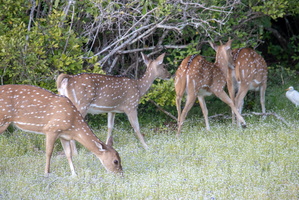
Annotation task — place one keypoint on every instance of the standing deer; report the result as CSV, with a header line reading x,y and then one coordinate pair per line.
x,y
97,93
249,73
37,110
200,78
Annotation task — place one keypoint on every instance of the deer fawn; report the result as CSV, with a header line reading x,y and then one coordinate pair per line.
x,y
249,73
201,78
97,93
37,110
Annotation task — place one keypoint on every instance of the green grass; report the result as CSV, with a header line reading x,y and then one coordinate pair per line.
x,y
260,162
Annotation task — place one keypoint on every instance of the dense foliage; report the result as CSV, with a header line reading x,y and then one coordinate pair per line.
x,y
40,39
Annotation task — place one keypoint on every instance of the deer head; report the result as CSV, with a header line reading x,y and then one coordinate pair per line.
x,y
159,69
224,56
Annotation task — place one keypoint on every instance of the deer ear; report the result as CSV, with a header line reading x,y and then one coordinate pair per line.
x,y
110,141
213,45
228,44
100,146
160,59
145,59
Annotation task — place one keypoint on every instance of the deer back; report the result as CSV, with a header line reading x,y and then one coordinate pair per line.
x,y
35,109
203,74
102,92
250,67
181,75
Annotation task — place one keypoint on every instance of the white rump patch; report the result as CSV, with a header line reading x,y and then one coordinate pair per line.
x,y
251,85
203,92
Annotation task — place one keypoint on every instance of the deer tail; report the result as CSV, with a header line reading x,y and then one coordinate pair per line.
x,y
61,83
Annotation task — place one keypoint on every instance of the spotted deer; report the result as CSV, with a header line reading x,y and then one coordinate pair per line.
x,y
200,78
249,73
37,110
97,93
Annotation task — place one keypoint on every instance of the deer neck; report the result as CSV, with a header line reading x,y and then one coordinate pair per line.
x,y
223,66
146,81
88,139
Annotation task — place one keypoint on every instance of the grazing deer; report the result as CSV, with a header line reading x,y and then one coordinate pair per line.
x,y
200,78
37,110
249,73
97,93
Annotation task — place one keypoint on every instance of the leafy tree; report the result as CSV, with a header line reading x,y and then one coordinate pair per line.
x,y
40,39
36,54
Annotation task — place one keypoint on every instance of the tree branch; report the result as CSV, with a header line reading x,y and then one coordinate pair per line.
x,y
152,48
253,113
164,111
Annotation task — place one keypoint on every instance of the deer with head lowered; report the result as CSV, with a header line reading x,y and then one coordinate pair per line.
x,y
98,93
249,73
37,110
200,78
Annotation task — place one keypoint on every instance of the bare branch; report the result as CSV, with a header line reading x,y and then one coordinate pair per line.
x,y
253,113
152,48
164,111
120,27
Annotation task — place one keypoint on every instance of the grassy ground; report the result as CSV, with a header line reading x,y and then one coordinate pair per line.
x,y
260,162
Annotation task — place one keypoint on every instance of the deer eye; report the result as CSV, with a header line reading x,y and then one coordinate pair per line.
x,y
115,162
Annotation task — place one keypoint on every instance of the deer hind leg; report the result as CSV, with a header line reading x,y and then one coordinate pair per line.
x,y
205,111
73,147
178,106
189,103
66,144
224,97
231,82
50,140
111,117
180,86
135,124
240,100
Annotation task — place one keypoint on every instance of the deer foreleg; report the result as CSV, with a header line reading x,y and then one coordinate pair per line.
x,y
262,97
111,117
50,140
135,124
